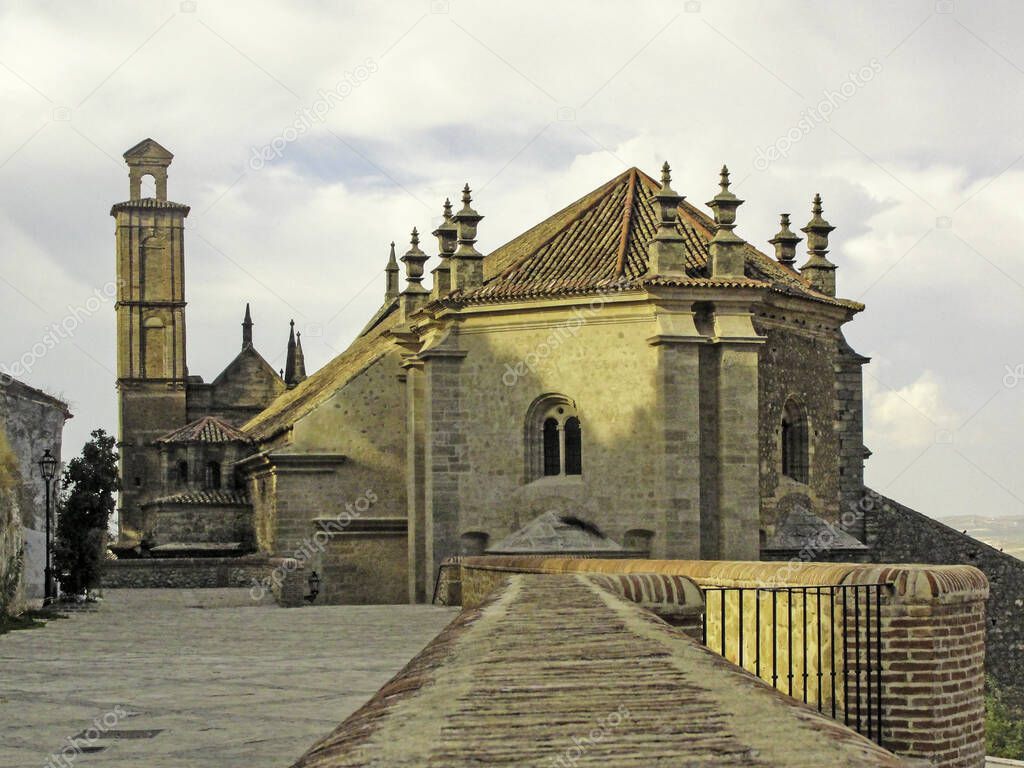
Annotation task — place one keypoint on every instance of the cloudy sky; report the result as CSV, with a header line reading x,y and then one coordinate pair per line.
x,y
308,136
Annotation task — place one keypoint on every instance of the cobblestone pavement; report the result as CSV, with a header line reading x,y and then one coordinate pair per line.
x,y
196,678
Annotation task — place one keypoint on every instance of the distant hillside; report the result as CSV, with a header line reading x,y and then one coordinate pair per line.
x,y
1005,533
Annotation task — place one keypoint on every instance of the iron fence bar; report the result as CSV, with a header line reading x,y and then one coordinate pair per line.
x,y
846,666
867,642
832,644
804,635
757,632
818,613
878,658
775,641
789,636
722,625
741,625
856,650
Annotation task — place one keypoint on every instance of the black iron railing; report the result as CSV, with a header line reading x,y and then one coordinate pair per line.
x,y
821,644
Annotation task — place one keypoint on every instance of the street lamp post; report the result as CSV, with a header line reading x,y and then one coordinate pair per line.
x,y
48,469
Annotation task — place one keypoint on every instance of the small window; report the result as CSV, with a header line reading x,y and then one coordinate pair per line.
x,y
183,471
795,444
554,440
213,475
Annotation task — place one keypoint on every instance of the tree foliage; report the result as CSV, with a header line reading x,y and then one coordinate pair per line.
x,y
90,482
1004,725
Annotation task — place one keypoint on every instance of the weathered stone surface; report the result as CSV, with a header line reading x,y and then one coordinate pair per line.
x,y
555,670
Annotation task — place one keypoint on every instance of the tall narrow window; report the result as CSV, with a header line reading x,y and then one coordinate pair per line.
x,y
552,459
795,443
573,447
554,443
213,475
183,471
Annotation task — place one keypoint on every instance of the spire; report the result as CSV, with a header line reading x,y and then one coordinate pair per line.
x,y
446,235
391,271
300,360
785,242
666,251
289,361
726,248
467,261
817,269
247,328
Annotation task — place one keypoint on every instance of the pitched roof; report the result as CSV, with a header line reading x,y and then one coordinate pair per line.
x,y
148,148
14,388
802,529
295,403
601,240
206,429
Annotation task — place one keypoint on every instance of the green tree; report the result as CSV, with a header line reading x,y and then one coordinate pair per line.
x,y
90,482
1004,724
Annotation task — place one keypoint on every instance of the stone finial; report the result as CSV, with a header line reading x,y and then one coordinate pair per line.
x,y
666,251
785,242
391,275
447,239
247,328
467,261
818,269
289,360
414,259
726,247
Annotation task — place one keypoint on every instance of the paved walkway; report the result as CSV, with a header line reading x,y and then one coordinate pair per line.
x,y
196,678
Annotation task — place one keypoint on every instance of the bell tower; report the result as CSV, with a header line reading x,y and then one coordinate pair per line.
x,y
150,309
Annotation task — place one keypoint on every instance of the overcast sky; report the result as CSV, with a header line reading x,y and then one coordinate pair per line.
x,y
906,116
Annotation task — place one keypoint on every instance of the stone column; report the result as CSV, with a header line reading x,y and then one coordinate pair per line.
x,y
445,457
739,498
415,386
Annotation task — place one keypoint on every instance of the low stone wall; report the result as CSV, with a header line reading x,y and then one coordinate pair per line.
x,y
932,635
283,577
898,534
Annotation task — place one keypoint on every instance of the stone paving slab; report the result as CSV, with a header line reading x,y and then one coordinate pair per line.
x,y
227,682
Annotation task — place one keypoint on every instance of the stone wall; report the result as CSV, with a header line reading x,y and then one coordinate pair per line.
x,y
32,422
932,667
898,534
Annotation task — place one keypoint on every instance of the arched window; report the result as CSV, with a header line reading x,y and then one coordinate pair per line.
x,y
554,440
213,474
795,443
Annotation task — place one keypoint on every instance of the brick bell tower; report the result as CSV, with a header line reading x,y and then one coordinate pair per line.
x,y
150,309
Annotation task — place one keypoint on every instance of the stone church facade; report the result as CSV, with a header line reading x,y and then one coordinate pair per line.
x,y
629,363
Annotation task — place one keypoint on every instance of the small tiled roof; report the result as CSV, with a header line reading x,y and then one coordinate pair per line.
x,y
551,533
149,202
803,529
208,497
206,429
601,240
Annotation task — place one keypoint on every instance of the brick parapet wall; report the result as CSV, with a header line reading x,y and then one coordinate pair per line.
x,y
932,637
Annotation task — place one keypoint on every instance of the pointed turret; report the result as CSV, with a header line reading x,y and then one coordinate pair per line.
x,y
300,361
785,241
467,261
447,239
391,272
289,361
726,247
817,269
247,328
667,249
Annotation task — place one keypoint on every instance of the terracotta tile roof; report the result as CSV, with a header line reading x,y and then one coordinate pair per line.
x,y
555,670
212,497
206,429
293,404
601,241
149,202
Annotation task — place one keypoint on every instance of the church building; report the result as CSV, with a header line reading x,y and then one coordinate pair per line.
x,y
628,368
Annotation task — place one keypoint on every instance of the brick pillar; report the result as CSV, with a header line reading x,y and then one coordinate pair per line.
x,y
739,496
933,662
445,458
